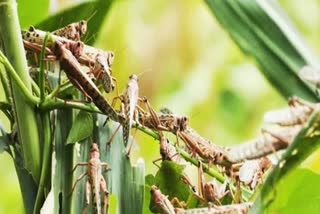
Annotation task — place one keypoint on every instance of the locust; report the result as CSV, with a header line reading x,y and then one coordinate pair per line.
x,y
242,208
160,203
178,125
251,172
98,60
72,31
203,147
101,69
268,142
163,121
129,99
95,181
298,113
82,81
167,150
210,192
310,74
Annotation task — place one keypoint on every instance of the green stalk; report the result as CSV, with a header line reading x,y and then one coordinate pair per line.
x,y
42,64
44,184
5,82
18,81
56,103
25,116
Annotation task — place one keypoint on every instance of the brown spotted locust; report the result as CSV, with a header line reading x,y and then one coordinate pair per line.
x,y
95,181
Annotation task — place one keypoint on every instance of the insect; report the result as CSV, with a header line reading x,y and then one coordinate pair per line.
x,y
251,172
298,113
162,121
203,147
242,208
99,61
81,80
211,192
160,203
72,31
102,69
266,143
95,180
310,74
129,98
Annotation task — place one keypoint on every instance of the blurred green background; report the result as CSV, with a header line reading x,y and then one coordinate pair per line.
x,y
190,65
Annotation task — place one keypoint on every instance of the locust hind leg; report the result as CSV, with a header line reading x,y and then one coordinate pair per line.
x,y
87,192
105,191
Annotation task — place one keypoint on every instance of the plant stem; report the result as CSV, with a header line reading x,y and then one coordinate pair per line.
x,y
18,80
55,103
28,134
41,75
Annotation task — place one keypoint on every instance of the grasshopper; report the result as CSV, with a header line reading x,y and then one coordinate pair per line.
x,y
167,150
310,74
102,69
95,180
99,61
72,31
203,147
211,192
251,172
163,121
268,142
129,99
161,203
298,113
81,80
242,208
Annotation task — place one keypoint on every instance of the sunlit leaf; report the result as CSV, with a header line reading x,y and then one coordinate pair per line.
x,y
93,10
27,14
174,187
279,55
81,127
298,192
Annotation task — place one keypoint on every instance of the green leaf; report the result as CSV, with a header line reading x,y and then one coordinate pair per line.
x,y
93,10
28,14
303,145
149,181
4,139
174,187
298,192
112,204
81,128
62,162
280,55
124,180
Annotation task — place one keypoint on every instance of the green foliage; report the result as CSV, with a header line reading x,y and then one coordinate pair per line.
x,y
4,139
27,14
82,127
257,27
298,192
96,11
260,36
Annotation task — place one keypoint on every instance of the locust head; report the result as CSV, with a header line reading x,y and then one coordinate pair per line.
x,y
82,27
94,151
